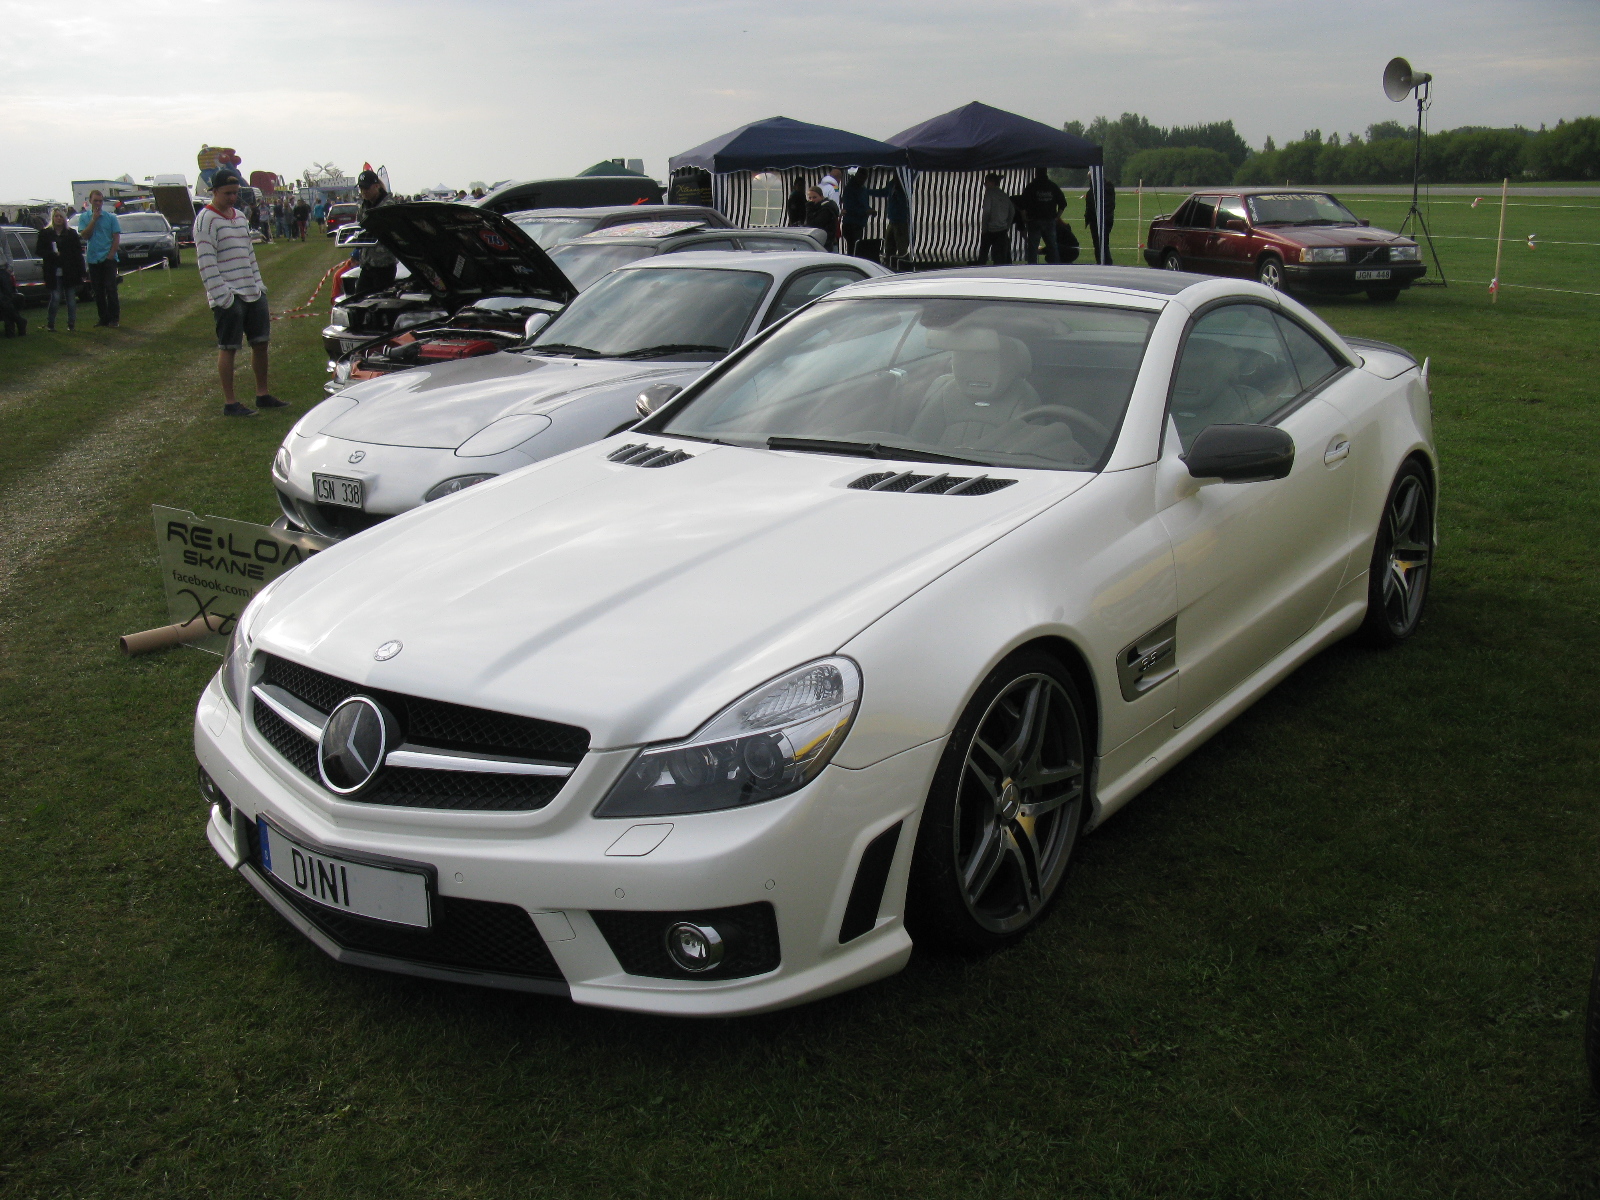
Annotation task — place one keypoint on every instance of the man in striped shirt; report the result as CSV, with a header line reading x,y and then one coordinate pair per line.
x,y
238,298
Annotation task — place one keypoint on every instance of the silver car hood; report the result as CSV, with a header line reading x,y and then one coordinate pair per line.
x,y
443,405
633,601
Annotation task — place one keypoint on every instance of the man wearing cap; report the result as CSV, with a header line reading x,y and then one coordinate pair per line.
x,y
377,264
238,297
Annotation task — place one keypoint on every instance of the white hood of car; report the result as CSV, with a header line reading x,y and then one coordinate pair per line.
x,y
633,601
445,404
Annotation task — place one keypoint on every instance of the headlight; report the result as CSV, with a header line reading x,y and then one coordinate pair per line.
x,y
281,463
1405,253
772,742
451,486
1324,254
339,316
409,320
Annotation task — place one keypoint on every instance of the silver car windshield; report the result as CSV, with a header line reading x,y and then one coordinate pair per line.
x,y
657,312
549,231
1298,208
999,383
585,263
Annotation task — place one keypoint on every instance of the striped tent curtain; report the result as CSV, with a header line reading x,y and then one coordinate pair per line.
x,y
730,191
947,216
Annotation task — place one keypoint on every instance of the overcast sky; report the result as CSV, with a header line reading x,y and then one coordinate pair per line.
x,y
494,89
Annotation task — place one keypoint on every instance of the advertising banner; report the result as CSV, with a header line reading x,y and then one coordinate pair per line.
x,y
211,567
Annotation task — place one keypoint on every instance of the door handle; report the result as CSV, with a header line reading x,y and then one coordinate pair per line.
x,y
1338,451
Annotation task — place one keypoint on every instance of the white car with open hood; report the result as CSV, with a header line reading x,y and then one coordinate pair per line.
x,y
846,645
390,443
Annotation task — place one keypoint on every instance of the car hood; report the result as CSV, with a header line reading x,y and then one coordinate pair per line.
x,y
632,601
464,252
444,404
1336,235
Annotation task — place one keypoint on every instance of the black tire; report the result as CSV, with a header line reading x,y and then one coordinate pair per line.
x,y
1171,262
1006,810
1591,1028
175,259
1269,271
1383,295
1402,560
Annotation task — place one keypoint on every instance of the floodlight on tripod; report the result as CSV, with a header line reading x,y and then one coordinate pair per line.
x,y
1400,81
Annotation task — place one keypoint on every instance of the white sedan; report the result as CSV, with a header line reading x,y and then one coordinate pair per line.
x,y
386,445
845,646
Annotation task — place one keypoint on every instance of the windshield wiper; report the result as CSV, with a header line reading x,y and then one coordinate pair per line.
x,y
868,450
563,348
672,348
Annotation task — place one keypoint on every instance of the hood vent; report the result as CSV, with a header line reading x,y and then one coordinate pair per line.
x,y
640,455
938,485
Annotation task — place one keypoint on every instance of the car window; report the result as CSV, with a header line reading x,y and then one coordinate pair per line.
x,y
585,262
658,312
22,244
1231,207
805,287
1234,370
1004,383
1311,358
714,244
142,223
1201,211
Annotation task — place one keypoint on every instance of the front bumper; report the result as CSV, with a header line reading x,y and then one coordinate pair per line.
x,y
1342,277
800,855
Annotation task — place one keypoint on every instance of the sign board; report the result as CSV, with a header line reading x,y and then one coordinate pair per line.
x,y
213,567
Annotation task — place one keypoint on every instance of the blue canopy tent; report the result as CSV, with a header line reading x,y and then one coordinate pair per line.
x,y
950,155
753,168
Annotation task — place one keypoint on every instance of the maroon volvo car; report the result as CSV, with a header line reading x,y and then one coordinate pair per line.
x,y
1286,239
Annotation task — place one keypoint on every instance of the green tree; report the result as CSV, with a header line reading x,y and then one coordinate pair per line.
x,y
1569,151
1177,166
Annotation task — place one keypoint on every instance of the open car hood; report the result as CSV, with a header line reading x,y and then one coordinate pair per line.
x,y
464,252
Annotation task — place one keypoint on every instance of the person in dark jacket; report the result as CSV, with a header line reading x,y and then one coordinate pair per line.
x,y
856,205
61,250
378,265
822,214
896,222
1111,216
795,208
1042,203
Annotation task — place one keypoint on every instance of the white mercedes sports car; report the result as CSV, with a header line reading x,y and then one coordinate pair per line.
x,y
388,444
846,645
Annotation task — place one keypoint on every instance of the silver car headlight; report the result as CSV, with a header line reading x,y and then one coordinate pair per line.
x,y
451,486
1326,254
339,316
773,741
236,665
1405,253
281,462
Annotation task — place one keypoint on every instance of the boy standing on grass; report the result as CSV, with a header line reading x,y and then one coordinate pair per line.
x,y
238,297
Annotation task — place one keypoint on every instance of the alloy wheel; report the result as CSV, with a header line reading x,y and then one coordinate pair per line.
x,y
1018,803
1405,567
1271,273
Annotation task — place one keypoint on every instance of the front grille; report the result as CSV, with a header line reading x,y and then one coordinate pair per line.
x,y
475,935
639,940
639,455
437,725
1364,255
329,520
932,485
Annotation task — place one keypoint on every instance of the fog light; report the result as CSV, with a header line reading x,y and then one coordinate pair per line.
x,y
695,948
212,794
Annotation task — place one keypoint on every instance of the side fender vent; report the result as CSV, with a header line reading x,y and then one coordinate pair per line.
x,y
933,485
636,454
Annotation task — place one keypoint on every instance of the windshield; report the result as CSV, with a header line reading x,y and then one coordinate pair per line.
x,y
549,231
658,313
1299,208
142,223
998,383
590,261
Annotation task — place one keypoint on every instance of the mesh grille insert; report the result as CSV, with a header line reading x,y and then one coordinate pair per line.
x,y
636,454
932,485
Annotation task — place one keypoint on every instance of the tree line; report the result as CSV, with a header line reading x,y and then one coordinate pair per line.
x,y
1211,154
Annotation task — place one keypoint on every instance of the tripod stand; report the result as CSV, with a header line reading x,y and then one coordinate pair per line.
x,y
1414,213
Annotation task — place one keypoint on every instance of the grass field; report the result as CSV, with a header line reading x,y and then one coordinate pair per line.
x,y
1340,952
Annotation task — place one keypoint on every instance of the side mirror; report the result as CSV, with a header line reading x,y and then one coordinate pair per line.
x,y
1362,221
534,323
1237,224
1240,453
653,398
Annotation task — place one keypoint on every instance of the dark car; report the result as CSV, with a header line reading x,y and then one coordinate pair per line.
x,y
344,213
552,226
595,255
148,237
1285,238
456,257
19,252
586,191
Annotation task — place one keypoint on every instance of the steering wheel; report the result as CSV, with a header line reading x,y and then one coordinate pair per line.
x,y
1062,412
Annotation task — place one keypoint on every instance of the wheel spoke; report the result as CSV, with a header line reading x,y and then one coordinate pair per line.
x,y
1034,809
994,756
989,785
984,863
1025,726
1405,508
1024,851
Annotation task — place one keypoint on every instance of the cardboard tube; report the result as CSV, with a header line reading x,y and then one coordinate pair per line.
x,y
168,636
